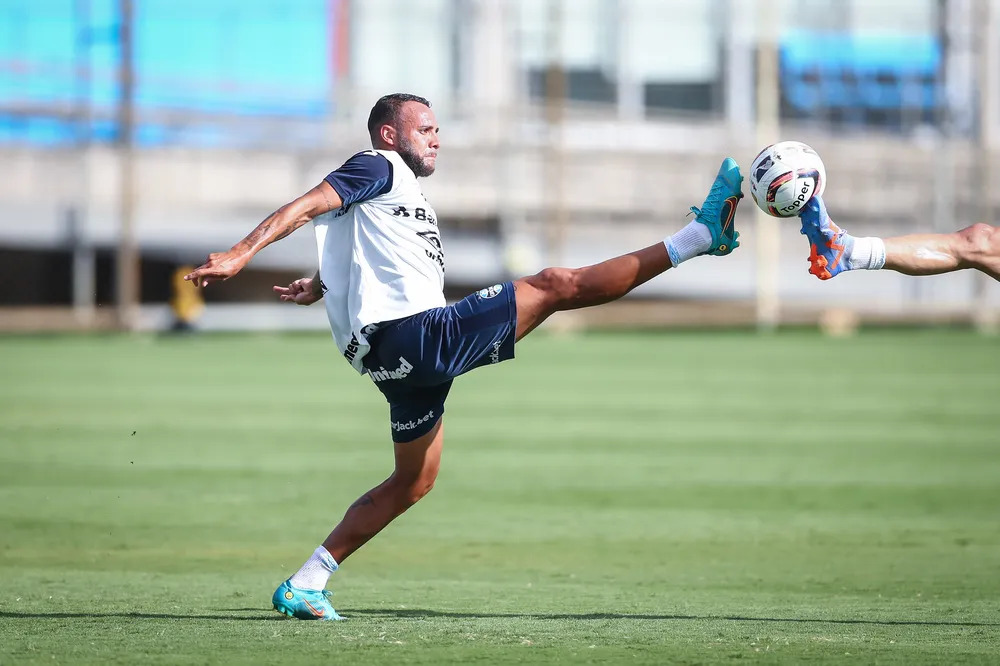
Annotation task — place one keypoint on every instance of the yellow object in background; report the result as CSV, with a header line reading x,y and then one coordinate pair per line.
x,y
186,299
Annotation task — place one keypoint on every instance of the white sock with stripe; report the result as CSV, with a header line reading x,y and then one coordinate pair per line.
x,y
689,242
316,571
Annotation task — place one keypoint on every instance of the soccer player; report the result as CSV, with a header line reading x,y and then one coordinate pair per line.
x,y
833,250
381,276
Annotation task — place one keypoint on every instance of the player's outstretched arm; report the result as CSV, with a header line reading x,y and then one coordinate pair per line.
x,y
224,265
304,291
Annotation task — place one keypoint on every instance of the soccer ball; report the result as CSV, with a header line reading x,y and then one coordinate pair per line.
x,y
785,176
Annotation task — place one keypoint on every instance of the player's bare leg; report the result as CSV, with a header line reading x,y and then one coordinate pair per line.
x,y
975,247
556,289
417,462
417,465
833,250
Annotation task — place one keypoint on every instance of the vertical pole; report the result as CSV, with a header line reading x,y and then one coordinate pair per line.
x,y
84,273
629,87
984,316
127,260
84,269
768,306
333,18
943,164
342,94
555,111
81,21
739,96
520,248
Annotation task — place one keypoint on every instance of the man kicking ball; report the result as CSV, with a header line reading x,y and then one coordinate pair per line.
x,y
381,276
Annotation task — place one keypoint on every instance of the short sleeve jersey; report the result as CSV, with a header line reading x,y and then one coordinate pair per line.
x,y
380,254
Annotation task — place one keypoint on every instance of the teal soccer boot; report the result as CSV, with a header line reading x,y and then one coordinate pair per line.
x,y
304,604
719,210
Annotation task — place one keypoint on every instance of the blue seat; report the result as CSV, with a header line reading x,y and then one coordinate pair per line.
x,y
857,72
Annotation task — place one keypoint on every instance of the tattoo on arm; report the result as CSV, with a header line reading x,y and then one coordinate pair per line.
x,y
364,500
283,233
274,227
329,206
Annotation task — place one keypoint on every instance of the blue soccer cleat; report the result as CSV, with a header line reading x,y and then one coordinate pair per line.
x,y
719,210
829,245
304,604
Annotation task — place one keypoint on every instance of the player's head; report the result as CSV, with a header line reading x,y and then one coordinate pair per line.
x,y
405,123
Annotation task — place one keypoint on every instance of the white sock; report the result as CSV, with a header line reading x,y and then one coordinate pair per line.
x,y
316,571
867,253
692,240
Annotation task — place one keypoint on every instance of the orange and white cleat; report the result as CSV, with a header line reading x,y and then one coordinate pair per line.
x,y
829,245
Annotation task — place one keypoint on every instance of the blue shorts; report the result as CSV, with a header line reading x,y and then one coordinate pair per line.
x,y
414,360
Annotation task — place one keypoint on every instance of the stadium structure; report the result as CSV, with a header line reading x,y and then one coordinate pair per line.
x,y
571,131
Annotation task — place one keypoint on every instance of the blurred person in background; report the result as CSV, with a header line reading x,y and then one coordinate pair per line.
x,y
186,302
833,250
381,276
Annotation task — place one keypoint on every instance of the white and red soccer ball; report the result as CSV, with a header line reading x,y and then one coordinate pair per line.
x,y
785,176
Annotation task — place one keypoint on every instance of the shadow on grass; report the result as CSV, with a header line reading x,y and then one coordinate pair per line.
x,y
147,616
423,613
420,613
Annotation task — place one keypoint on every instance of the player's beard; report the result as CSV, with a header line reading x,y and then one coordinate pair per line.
x,y
413,160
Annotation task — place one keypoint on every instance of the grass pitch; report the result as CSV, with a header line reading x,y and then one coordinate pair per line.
x,y
639,498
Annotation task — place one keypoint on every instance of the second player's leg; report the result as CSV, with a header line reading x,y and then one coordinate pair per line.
x,y
556,289
833,250
976,247
417,464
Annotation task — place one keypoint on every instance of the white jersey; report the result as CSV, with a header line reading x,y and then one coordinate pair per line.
x,y
380,254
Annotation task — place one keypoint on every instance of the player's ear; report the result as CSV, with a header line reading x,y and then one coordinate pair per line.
x,y
388,134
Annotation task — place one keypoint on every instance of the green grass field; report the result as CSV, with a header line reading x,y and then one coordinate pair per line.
x,y
640,498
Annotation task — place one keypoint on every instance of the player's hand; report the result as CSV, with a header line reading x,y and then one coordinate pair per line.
x,y
304,291
220,266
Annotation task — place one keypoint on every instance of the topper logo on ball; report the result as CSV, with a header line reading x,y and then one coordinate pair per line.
x,y
785,176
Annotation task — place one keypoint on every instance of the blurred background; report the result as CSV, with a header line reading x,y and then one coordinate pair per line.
x,y
137,136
